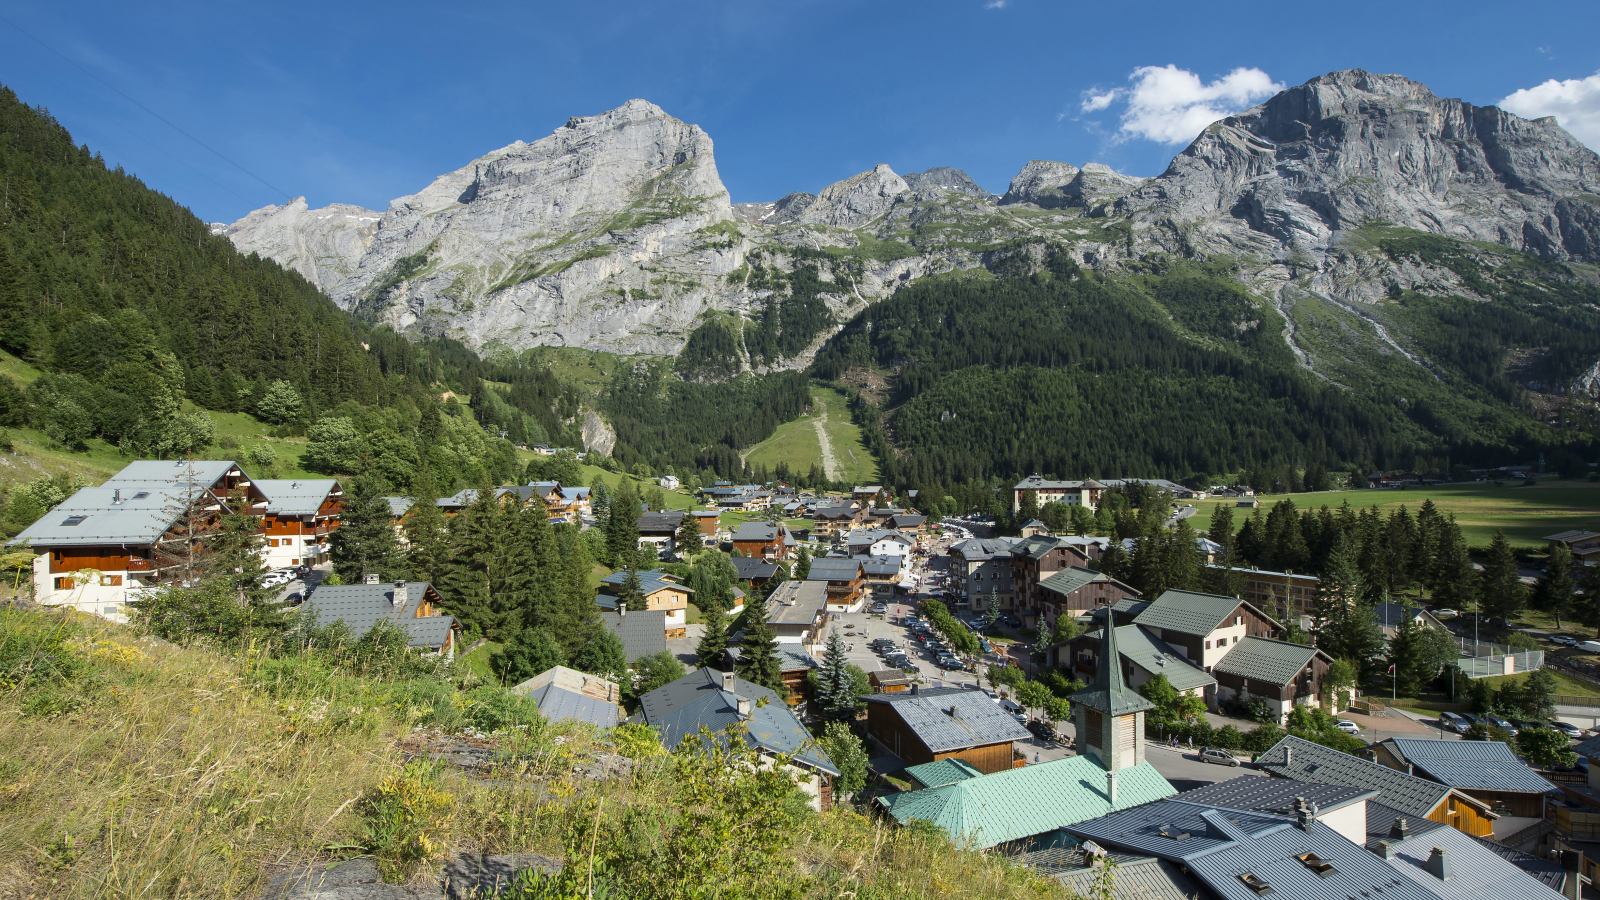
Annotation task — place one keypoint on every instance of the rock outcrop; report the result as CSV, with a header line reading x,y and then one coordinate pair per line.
x,y
1057,185
1352,148
945,178
325,245
856,201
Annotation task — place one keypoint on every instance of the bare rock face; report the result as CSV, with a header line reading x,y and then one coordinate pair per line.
x,y
325,245
1041,183
1352,148
856,201
946,179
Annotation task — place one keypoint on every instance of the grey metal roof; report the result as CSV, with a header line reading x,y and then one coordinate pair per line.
x,y
1070,579
296,497
979,549
205,471
750,568
797,602
1481,765
1037,546
1412,796
1109,694
561,696
1477,870
649,582
1140,646
643,632
399,506
880,565
831,569
907,520
1132,606
952,718
1276,795
666,520
1137,878
868,536
1189,612
1568,537
698,700
1221,845
757,531
1381,819
93,516
1547,872
1265,659
788,660
1589,748
361,606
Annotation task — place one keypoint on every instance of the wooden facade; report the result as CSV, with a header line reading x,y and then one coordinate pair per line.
x,y
886,726
1027,571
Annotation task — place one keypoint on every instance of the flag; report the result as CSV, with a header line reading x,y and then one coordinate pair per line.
x,y
1390,671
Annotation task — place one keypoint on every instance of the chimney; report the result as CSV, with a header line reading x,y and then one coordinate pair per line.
x,y
728,679
1400,829
622,610
1288,756
1572,864
1386,850
1304,814
913,689
1111,788
116,495
1438,864
744,707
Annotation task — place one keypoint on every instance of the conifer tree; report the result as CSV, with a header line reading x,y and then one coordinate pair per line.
x,y
603,654
758,652
622,524
1455,583
802,565
1181,562
1221,530
835,689
365,543
531,652
427,532
715,640
1554,592
1502,590
631,594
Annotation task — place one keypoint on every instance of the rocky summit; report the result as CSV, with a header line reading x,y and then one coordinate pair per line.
x,y
615,232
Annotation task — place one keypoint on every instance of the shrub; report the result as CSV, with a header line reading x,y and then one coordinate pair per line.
x,y
492,709
406,821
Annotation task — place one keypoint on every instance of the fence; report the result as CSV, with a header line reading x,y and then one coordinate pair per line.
x,y
1486,660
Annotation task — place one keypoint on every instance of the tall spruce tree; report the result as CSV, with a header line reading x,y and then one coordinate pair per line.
x,y
758,652
365,543
1555,591
1221,530
631,594
1502,590
835,689
715,639
622,524
427,533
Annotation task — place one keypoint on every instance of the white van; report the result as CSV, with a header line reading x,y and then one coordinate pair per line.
x,y
1591,646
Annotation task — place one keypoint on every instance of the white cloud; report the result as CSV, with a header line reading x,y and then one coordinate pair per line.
x,y
996,4
1094,101
1575,103
1172,105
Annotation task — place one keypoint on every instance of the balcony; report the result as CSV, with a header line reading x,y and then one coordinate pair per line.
x,y
135,564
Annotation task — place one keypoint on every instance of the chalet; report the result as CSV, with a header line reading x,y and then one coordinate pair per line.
x,y
1408,795
455,503
668,482
643,632
798,613
564,503
755,571
413,607
659,529
398,507
1033,528
883,574
300,516
716,701
101,547
1285,675
927,724
1485,770
1072,493
982,569
1035,559
866,494
1289,596
1076,590
762,540
1203,627
828,521
913,525
1584,545
738,497
662,591
793,667
879,542
709,521
1144,656
567,695
1390,615
845,579
889,681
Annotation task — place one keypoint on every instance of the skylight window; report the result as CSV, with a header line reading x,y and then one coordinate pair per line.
x,y
1173,832
1256,883
1317,864
73,520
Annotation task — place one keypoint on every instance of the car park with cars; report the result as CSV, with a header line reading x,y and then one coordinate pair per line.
x,y
1454,722
1568,729
1503,723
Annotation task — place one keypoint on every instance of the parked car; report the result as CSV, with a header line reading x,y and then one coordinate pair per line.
x,y
1454,722
1348,727
1042,730
1568,729
1566,640
1503,723
952,664
1011,706
1218,756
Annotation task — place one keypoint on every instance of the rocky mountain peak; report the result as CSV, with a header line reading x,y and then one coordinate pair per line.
x,y
855,201
324,245
945,178
1054,185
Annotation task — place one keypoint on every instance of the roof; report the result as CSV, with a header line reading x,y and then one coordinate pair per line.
x,y
1018,803
797,603
698,700
1190,612
1589,748
206,472
1070,579
942,772
750,568
788,660
1137,878
907,520
1037,546
399,506
831,569
952,718
843,511
880,565
1412,796
664,520
1276,795
1381,820
889,676
1568,537
974,549
1265,659
565,694
642,632
139,515
361,606
1109,694
1479,765
1390,615
1221,847
1549,873
1478,870
764,532
649,582
1141,647
1037,483
297,497
862,536
1132,606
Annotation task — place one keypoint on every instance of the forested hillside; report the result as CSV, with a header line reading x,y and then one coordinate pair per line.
x,y
1174,370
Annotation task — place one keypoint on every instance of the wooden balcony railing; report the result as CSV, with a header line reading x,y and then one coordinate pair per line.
x,y
135,564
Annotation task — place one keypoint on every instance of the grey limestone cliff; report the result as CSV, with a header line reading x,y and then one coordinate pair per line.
x,y
325,245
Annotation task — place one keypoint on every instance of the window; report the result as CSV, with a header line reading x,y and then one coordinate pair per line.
x,y
1208,645
1238,620
1255,883
272,542
111,581
64,584
73,520
1317,864
1236,639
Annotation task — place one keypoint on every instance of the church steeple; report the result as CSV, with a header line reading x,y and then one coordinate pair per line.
x,y
1109,716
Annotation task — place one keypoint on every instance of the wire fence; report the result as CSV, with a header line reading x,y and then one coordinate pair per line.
x,y
1495,659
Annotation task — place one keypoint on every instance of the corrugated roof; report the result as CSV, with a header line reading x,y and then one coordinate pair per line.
x,y
975,721
1276,795
698,700
1479,765
1381,820
399,506
649,582
750,568
1477,870
942,772
361,606
1189,612
1141,647
1018,803
788,660
298,496
1264,659
565,694
1412,796
1071,579
832,569
642,632
1547,872
1137,878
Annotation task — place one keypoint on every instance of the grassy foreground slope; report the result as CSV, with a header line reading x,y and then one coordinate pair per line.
x,y
133,768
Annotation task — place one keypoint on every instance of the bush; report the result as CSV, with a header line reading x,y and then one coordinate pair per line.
x,y
406,821
492,709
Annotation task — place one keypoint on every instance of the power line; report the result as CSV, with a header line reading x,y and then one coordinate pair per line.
x,y
147,109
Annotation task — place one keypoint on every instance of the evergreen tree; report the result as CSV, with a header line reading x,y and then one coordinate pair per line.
x,y
715,639
1555,591
758,652
835,690
1221,530
531,652
1182,563
631,594
1338,593
427,533
802,565
365,543
1028,506
602,654
234,558
1114,561
1502,590
622,524
1455,583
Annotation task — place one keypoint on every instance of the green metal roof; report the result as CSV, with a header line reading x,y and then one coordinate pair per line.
x,y
1148,652
1070,579
942,772
1188,612
1264,659
1019,803
1109,693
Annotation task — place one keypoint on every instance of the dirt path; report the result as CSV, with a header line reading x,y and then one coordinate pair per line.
x,y
830,466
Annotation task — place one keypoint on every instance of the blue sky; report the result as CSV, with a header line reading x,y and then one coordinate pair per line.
x,y
364,102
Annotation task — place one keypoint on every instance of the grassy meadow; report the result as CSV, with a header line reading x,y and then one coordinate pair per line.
x,y
797,443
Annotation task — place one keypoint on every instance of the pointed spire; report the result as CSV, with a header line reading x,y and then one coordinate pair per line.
x,y
1109,693
1110,675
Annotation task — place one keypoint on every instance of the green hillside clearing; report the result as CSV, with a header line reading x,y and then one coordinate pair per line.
x,y
799,443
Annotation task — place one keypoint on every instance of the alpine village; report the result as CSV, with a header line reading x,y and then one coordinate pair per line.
x,y
568,530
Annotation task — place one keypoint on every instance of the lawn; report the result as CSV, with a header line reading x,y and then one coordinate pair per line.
x,y
478,661
1526,514
798,444
674,499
